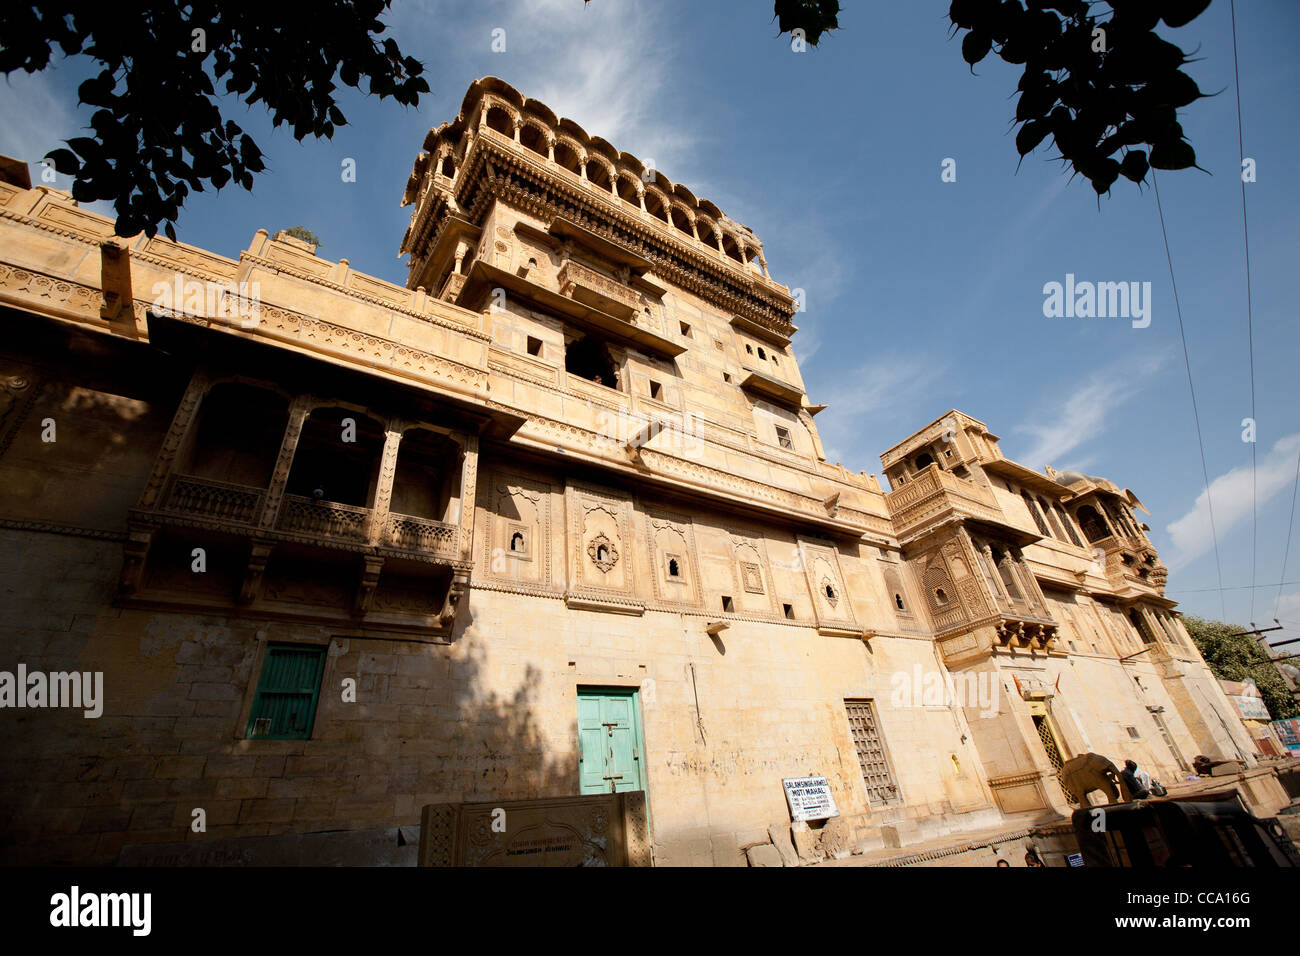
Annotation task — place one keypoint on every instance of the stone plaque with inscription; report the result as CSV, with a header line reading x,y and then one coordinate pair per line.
x,y
597,830
810,798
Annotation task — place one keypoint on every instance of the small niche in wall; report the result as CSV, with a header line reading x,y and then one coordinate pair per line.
x,y
728,605
534,346
788,610
656,390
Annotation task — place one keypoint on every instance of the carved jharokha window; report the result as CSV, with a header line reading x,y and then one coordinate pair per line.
x,y
1008,574
1094,528
238,435
1140,624
1051,519
1065,521
337,458
1034,513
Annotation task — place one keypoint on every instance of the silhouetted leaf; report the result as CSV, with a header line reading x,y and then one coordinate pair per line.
x,y
975,47
1173,155
1134,165
1030,135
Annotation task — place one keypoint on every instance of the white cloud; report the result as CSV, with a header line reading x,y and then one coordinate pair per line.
x,y
883,391
1082,415
606,65
35,118
1231,493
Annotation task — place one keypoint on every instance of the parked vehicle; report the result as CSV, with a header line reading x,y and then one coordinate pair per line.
x,y
1214,830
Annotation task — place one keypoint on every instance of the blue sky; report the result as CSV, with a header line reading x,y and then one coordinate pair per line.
x,y
922,295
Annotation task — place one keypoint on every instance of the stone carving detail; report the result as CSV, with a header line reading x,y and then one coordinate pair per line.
x,y
668,538
17,396
516,503
182,421
602,552
298,412
751,577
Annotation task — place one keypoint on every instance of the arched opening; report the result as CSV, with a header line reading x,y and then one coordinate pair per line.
x,y
674,571
761,353
238,436
1094,527
567,157
427,481
598,175
753,262
499,120
589,358
337,457
655,206
681,221
530,137
602,553
448,166
517,542
628,192
898,602
730,249
1140,624
940,596
923,461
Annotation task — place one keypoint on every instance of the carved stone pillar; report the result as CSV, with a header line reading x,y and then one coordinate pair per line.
x,y
299,409
468,494
384,488
177,433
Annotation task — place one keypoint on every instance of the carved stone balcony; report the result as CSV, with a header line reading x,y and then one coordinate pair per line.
x,y
424,535
588,286
935,495
323,519
221,501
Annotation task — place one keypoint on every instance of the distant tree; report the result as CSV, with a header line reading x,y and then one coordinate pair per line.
x,y
305,234
158,132
1097,83
1236,656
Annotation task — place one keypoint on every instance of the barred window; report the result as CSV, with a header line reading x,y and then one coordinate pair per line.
x,y
877,771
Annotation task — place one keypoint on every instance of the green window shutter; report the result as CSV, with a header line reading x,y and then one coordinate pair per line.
x,y
285,705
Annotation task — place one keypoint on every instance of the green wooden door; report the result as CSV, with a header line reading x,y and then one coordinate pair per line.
x,y
609,742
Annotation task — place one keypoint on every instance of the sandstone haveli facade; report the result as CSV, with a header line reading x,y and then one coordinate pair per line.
x,y
552,519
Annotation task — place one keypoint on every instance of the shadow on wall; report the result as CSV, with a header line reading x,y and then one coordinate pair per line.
x,y
497,748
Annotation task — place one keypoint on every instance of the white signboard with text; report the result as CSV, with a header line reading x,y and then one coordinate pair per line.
x,y
809,798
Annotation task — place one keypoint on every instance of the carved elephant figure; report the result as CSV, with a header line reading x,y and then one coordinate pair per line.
x,y
1088,772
